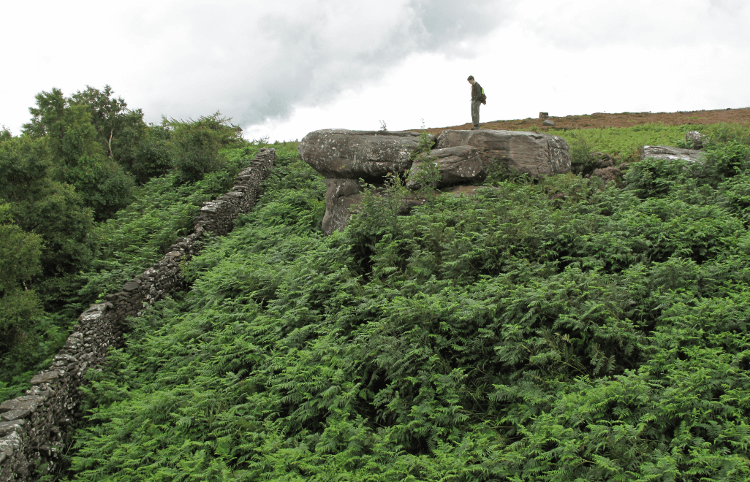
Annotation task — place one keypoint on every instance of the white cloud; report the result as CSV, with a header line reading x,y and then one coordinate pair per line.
x,y
287,68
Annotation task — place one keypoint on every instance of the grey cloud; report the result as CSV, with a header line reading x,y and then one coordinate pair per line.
x,y
257,63
447,22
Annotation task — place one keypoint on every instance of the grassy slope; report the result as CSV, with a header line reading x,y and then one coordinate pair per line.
x,y
599,335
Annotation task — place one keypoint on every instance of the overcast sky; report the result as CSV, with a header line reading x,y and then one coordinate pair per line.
x,y
284,68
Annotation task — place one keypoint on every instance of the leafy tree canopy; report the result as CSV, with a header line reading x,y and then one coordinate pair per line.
x,y
79,148
20,262
197,144
44,206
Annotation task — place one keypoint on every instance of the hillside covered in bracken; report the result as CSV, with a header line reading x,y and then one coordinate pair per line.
x,y
536,329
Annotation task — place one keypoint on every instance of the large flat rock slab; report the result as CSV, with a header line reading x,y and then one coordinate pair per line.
x,y
672,153
530,152
347,154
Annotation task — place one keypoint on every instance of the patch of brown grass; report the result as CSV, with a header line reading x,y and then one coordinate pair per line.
x,y
599,120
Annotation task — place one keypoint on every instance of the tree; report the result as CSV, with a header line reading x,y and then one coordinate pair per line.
x,y
119,129
5,134
43,206
154,156
20,255
77,152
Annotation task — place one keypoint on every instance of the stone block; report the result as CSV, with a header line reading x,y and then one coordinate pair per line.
x,y
11,427
347,154
15,415
672,153
341,195
456,165
530,152
131,285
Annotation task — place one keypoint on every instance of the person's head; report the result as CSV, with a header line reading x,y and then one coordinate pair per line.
x,y
471,79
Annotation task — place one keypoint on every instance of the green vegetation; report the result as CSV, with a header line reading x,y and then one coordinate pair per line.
x,y
550,331
163,211
625,142
555,330
197,145
89,197
79,133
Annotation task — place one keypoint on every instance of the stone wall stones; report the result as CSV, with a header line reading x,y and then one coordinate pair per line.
x,y
33,427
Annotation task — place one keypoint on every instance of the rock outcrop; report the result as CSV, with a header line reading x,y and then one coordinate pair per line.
x,y
370,155
463,157
341,195
530,152
456,165
33,427
673,153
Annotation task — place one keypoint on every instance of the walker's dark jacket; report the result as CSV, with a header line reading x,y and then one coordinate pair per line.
x,y
476,91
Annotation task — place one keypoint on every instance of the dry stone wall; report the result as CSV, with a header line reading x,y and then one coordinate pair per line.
x,y
33,426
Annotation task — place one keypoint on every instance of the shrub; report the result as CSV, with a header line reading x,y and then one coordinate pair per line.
x,y
426,176
724,132
727,160
654,177
197,145
582,157
154,156
499,172
737,196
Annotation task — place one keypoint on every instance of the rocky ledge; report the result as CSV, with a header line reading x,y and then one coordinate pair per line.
x,y
463,157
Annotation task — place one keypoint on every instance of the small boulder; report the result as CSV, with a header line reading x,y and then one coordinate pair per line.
x,y
131,285
370,155
696,139
530,152
548,123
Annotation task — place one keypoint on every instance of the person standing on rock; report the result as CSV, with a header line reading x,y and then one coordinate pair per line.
x,y
477,97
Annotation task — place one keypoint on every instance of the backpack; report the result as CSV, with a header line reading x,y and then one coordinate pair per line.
x,y
483,97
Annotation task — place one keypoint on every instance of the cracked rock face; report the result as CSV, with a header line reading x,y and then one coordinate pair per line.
x,y
341,195
530,152
456,165
370,155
